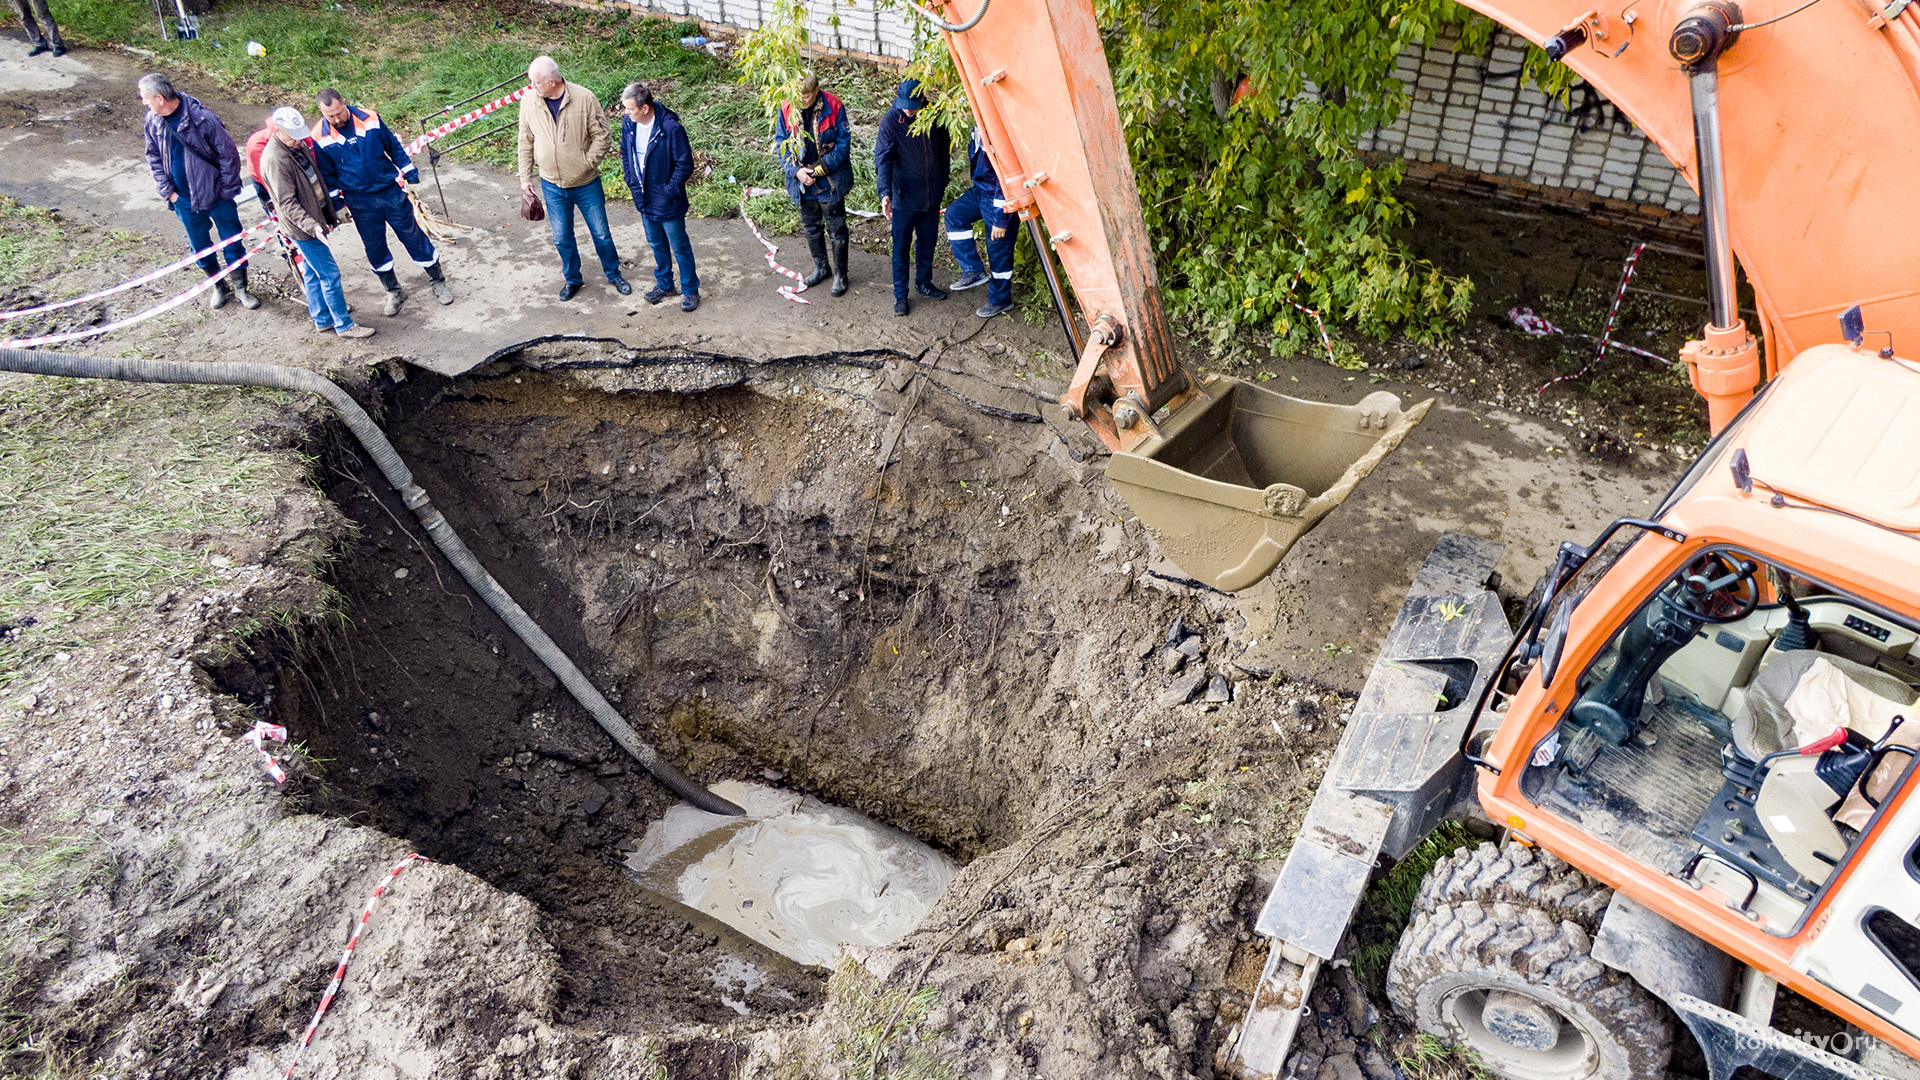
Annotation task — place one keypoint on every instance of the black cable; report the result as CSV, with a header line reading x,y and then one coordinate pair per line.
x,y
1775,19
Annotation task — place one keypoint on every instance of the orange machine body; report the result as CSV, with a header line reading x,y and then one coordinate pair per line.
x,y
1852,424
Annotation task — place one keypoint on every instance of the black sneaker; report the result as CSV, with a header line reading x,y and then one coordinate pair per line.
x,y
59,50
989,309
620,285
690,301
657,294
931,292
970,281
567,291
38,48
900,306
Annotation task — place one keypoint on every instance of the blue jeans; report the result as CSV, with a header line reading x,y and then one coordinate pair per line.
x,y
321,275
913,230
373,211
961,214
669,239
200,225
591,198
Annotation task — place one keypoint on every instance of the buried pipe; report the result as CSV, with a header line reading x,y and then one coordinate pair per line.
x,y
37,362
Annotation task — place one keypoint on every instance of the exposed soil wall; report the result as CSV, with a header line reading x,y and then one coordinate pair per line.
x,y
955,645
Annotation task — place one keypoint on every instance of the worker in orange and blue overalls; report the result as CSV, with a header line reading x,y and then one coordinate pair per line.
x,y
984,203
363,162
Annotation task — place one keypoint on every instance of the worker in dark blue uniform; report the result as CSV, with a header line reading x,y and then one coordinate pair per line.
x,y
984,203
362,160
911,173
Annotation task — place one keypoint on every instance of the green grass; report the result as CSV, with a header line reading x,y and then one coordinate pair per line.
x,y
32,870
884,1028
409,60
1387,905
101,488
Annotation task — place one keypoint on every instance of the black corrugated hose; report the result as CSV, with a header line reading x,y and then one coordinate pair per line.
x,y
36,362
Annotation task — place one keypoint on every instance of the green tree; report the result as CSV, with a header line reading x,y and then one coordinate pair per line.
x,y
1242,121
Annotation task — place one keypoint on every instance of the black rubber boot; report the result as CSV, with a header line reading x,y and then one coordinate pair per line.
x,y
818,245
222,292
840,268
441,290
240,293
395,294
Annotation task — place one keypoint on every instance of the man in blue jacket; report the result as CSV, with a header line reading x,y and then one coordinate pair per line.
x,y
658,160
362,160
983,203
912,179
816,151
197,169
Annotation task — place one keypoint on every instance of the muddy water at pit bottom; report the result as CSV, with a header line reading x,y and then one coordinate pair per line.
x,y
795,874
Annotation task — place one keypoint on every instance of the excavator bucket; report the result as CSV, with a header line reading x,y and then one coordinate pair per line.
x,y
1236,476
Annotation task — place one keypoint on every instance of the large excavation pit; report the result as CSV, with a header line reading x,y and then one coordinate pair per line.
x,y
950,645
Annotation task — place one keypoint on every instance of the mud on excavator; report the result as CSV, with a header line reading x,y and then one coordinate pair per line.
x,y
1695,752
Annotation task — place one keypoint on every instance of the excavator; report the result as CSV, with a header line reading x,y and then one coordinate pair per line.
x,y
1695,755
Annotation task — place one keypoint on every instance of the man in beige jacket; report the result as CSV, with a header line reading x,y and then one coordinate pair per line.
x,y
563,133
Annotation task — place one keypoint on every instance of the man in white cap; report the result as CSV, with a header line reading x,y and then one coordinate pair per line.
x,y
306,217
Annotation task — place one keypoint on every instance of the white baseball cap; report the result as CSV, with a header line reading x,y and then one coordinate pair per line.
x,y
289,120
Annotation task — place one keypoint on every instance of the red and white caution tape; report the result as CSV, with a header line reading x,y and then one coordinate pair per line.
x,y
263,731
787,291
1325,342
459,122
1534,325
144,279
140,317
340,973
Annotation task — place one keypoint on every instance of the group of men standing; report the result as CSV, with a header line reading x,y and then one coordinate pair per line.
x,y
350,166
810,134
564,138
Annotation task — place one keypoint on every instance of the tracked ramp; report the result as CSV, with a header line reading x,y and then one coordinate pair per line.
x,y
1397,773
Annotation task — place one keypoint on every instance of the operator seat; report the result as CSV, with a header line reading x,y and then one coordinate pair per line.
x,y
1763,725
1795,803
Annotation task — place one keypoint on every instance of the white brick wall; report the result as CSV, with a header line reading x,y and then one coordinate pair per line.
x,y
1471,112
1466,111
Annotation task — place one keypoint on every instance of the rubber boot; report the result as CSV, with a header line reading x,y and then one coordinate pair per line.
x,y
818,245
222,292
395,294
840,268
240,293
441,291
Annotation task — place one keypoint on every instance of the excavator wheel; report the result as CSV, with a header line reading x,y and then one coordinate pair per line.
x,y
1519,989
1515,874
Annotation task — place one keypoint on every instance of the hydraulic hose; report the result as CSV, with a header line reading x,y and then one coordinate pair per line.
x,y
952,28
36,362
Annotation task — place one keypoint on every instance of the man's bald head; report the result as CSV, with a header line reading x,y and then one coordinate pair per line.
x,y
544,76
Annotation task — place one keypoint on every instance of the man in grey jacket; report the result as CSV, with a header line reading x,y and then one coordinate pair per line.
x,y
196,168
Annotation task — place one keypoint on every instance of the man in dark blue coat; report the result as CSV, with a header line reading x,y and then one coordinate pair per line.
x,y
658,160
912,180
197,170
362,159
984,203
816,151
